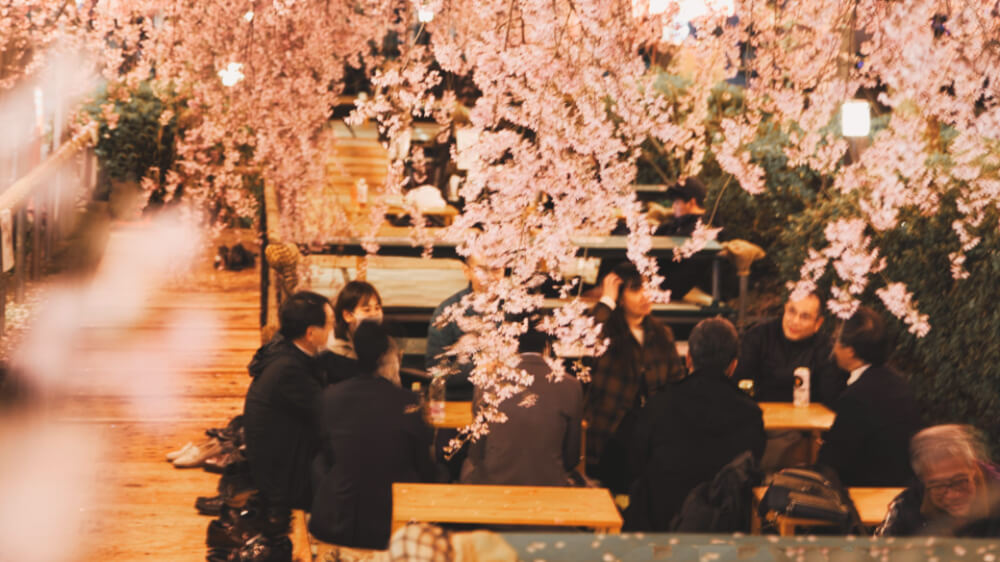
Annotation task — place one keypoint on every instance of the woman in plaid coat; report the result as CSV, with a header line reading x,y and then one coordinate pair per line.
x,y
639,361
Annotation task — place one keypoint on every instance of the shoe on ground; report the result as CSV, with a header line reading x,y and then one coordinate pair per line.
x,y
209,506
197,455
171,456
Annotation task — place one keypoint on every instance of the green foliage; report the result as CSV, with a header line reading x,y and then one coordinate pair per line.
x,y
955,369
138,142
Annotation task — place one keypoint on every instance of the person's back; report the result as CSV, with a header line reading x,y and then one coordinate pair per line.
x,y
281,409
688,432
373,434
537,445
868,443
876,415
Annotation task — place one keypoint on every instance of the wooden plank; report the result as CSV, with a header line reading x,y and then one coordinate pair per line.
x,y
505,505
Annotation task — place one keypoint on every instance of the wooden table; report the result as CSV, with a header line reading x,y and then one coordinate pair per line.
x,y
456,415
814,418
505,505
872,504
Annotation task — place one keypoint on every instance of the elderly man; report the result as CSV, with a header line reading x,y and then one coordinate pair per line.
x,y
687,433
771,352
877,413
958,494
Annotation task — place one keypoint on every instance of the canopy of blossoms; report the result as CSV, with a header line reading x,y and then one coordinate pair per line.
x,y
567,97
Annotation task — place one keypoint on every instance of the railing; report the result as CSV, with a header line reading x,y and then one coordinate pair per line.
x,y
33,199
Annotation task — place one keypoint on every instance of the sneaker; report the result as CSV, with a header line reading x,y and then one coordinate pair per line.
x,y
197,455
180,452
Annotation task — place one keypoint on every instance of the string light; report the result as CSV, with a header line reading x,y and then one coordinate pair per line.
x,y
855,118
425,14
248,17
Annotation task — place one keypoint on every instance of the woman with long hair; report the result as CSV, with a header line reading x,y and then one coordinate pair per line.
x,y
357,301
641,358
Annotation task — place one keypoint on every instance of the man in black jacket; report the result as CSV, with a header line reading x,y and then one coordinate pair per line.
x,y
877,413
772,350
281,411
691,429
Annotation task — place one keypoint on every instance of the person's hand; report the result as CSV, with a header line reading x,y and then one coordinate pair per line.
x,y
610,286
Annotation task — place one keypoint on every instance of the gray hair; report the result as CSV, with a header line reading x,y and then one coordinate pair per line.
x,y
950,441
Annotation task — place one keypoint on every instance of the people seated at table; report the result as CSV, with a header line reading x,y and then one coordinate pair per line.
x,y
538,445
772,350
640,360
357,301
372,434
441,338
957,493
877,413
689,431
281,410
769,354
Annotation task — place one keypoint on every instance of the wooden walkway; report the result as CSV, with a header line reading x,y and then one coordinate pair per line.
x,y
145,506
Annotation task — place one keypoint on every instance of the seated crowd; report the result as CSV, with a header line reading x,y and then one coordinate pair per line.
x,y
329,427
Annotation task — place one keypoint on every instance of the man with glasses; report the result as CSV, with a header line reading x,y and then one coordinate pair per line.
x,y
877,413
958,493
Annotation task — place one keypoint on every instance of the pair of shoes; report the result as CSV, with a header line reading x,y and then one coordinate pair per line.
x,y
223,535
196,455
173,455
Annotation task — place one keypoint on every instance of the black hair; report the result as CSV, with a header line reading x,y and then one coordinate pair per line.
x,y
865,333
301,310
630,276
353,294
713,344
533,340
371,343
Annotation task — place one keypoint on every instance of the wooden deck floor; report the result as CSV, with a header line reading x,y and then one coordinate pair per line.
x,y
145,506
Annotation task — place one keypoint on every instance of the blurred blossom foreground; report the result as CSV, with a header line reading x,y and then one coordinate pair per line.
x,y
106,347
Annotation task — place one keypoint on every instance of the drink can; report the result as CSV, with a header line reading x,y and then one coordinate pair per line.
x,y
800,393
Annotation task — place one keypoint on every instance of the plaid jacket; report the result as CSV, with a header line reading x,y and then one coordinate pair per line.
x,y
616,379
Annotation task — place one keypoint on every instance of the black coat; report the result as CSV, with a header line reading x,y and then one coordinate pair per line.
x,y
280,417
373,434
769,359
869,442
683,437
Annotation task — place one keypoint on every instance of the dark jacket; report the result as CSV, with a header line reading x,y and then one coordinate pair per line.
x,y
868,444
908,516
373,434
280,417
339,362
683,437
439,339
625,375
537,445
769,359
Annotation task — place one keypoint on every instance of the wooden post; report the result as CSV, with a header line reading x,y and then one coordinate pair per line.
x,y
19,219
37,202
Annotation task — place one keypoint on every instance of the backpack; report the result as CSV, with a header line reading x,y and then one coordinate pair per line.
x,y
811,494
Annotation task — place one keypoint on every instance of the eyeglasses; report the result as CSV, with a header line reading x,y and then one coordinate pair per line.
x,y
959,485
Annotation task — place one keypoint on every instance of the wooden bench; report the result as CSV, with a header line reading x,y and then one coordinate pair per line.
x,y
872,504
505,505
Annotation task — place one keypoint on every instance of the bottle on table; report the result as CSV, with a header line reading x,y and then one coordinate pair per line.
x,y
436,399
800,394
